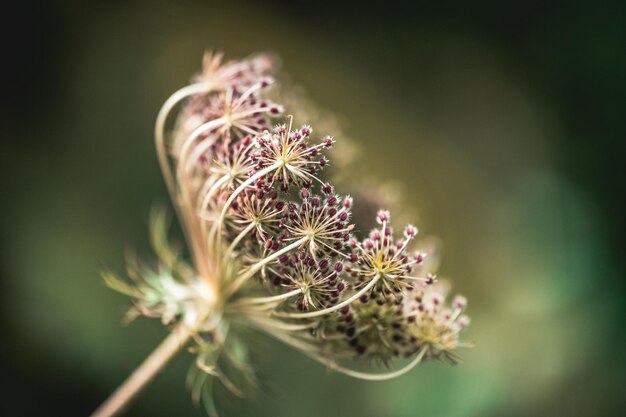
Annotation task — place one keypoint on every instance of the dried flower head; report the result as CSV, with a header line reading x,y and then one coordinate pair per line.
x,y
272,246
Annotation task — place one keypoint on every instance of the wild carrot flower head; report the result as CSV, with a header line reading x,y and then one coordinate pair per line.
x,y
271,243
286,158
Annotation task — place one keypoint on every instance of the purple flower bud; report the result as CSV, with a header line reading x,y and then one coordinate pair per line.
x,y
410,232
383,216
460,302
338,267
323,264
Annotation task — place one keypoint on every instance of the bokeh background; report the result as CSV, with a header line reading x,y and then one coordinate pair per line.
x,y
502,125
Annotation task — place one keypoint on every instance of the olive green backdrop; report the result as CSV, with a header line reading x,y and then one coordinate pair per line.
x,y
501,125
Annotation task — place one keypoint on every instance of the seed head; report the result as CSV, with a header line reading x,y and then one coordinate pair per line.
x,y
288,158
271,243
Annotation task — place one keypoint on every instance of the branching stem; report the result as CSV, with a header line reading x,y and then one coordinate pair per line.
x,y
335,307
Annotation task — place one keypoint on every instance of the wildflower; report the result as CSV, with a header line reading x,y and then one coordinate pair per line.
x,y
322,224
271,252
317,282
285,157
434,326
387,261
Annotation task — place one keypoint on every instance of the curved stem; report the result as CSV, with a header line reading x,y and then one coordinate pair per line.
x,y
255,268
240,236
279,325
263,300
159,129
186,146
366,375
240,189
164,162
149,368
333,308
312,352
212,188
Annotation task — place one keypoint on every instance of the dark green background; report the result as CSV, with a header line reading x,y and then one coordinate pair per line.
x,y
501,124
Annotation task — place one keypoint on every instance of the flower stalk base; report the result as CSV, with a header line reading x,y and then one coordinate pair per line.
x,y
145,373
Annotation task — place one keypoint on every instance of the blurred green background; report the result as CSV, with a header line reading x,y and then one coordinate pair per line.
x,y
502,125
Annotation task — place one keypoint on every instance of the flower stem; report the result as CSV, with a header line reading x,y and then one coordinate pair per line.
x,y
317,313
140,378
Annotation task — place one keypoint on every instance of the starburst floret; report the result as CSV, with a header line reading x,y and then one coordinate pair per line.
x,y
433,325
318,281
286,158
238,74
218,119
321,222
255,216
379,256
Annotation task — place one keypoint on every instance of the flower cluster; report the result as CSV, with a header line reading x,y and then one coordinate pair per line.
x,y
272,244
